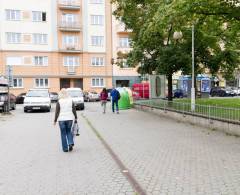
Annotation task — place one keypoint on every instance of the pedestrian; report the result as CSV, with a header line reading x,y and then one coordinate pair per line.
x,y
65,114
115,96
103,97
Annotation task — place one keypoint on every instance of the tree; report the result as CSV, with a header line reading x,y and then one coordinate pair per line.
x,y
154,22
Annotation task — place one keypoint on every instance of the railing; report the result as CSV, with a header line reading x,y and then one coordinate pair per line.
x,y
69,4
231,115
66,25
70,48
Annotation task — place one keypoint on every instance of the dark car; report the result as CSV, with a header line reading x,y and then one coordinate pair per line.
x,y
20,98
218,91
4,101
179,93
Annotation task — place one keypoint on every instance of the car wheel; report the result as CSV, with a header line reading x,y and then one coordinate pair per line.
x,y
25,110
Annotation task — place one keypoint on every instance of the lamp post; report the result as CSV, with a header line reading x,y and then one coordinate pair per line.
x,y
112,62
193,88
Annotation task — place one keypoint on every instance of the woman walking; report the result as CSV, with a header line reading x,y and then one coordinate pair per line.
x,y
103,97
65,114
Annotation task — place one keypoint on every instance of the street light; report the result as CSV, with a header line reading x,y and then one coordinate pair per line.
x,y
193,88
112,62
177,36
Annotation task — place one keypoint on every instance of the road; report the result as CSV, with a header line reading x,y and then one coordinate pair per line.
x,y
158,155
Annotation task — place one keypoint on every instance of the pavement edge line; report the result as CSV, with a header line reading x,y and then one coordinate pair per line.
x,y
124,170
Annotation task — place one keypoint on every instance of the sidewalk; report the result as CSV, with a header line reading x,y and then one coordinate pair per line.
x,y
167,157
32,162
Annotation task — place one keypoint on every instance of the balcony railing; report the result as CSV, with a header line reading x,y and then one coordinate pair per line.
x,y
70,26
70,48
69,4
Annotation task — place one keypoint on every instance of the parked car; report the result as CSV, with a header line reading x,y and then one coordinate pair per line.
x,y
37,99
218,91
54,96
20,98
179,93
4,101
77,96
230,91
236,91
109,94
91,96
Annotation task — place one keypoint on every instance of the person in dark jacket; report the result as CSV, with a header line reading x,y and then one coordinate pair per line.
x,y
65,114
103,97
115,95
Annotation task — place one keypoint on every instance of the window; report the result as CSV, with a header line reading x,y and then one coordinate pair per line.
x,y
41,82
13,37
97,82
38,16
69,18
71,61
70,40
97,41
14,60
17,82
13,14
124,63
124,42
97,19
41,60
96,1
97,61
39,38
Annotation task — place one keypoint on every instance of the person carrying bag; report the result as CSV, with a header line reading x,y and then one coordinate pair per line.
x,y
65,114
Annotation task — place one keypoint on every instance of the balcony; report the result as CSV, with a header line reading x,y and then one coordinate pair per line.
x,y
71,70
70,26
71,48
69,4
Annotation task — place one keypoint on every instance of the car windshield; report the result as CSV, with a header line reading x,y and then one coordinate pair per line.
x,y
75,93
38,94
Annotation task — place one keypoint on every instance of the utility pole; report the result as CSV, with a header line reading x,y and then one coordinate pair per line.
x,y
9,78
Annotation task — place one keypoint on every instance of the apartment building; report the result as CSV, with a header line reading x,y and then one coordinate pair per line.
x,y
122,75
56,43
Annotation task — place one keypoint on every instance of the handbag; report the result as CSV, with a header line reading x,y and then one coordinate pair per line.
x,y
75,129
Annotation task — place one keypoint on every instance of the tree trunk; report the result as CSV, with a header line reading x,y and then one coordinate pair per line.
x,y
169,78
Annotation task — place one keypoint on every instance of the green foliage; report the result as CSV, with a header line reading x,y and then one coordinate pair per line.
x,y
153,23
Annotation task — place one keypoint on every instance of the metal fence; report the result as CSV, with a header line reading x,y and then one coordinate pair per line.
x,y
231,115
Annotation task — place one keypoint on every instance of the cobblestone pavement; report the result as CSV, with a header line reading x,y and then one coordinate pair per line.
x,y
32,163
170,158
